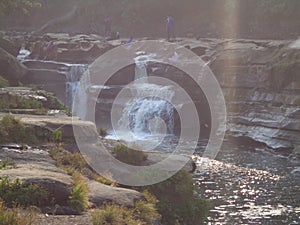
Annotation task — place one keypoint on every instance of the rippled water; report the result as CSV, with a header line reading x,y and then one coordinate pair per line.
x,y
246,184
249,185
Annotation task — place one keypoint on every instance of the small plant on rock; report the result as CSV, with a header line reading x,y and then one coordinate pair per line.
x,y
22,194
7,163
129,155
16,216
79,197
102,132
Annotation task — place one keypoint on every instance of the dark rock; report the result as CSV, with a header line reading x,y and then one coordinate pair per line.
x,y
9,47
11,68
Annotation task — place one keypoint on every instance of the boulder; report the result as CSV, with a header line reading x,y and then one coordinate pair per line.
x,y
65,124
100,194
36,167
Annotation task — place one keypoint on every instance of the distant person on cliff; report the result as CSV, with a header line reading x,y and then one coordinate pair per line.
x,y
107,26
170,28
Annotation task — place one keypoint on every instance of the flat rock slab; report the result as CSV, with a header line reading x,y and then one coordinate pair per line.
x,y
36,166
100,194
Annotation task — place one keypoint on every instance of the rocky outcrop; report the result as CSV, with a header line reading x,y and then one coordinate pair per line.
x,y
79,48
66,125
28,101
11,68
100,194
9,46
36,167
259,79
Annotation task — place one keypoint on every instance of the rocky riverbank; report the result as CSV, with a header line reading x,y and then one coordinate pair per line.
x,y
259,79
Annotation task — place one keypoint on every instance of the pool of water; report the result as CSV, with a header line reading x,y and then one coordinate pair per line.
x,y
250,185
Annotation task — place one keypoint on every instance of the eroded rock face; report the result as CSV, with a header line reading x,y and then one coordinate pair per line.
x,y
64,48
259,79
260,82
262,93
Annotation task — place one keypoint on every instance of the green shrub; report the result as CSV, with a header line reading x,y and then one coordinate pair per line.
x,y
7,162
144,212
114,215
177,201
79,197
129,155
56,136
102,132
22,194
3,82
67,160
75,162
13,130
14,216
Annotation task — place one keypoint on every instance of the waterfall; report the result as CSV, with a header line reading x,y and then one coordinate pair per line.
x,y
73,77
81,96
141,67
149,112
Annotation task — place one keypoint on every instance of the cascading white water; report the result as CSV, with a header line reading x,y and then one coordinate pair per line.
x,y
149,112
73,77
81,96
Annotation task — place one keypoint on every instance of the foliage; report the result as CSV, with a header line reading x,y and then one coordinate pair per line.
x,y
7,162
11,102
66,160
114,215
102,132
13,130
143,212
129,155
3,82
14,216
177,200
75,162
79,197
57,136
146,212
22,194
18,102
6,6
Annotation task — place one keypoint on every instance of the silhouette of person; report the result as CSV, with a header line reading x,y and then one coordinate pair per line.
x,y
170,28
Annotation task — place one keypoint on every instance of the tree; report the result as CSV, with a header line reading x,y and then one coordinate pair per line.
x,y
7,6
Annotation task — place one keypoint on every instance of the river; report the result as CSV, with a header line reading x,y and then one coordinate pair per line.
x,y
246,183
250,185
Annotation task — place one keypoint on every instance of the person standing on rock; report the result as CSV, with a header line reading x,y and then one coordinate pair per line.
x,y
170,28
